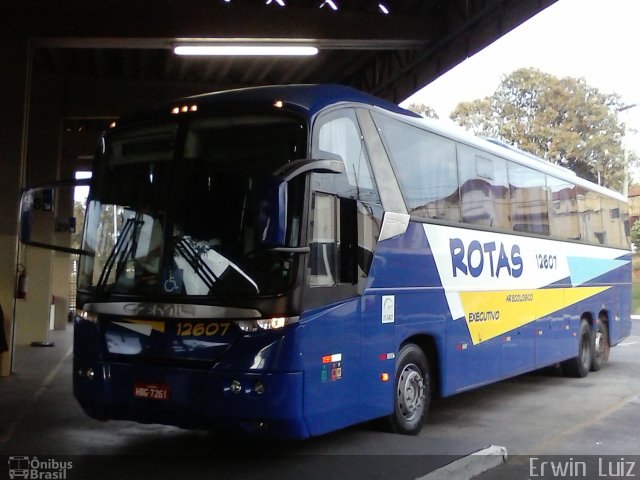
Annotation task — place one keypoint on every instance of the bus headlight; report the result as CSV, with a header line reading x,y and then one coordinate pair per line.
x,y
274,323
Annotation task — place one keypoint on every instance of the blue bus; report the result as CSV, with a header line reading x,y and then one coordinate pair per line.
x,y
291,260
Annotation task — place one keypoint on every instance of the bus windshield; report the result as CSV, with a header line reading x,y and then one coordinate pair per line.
x,y
173,208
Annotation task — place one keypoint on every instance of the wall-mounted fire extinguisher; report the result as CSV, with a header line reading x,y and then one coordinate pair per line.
x,y
22,283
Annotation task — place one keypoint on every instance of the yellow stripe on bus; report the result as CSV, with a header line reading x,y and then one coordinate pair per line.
x,y
154,324
491,314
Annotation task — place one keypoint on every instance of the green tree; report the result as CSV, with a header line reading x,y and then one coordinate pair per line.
x,y
78,213
562,120
635,235
421,109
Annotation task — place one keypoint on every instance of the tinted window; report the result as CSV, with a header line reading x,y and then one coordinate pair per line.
x,y
484,188
425,165
528,200
613,222
324,239
626,227
338,136
563,209
592,228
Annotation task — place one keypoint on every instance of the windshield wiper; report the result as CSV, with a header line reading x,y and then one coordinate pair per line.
x,y
194,258
289,249
119,249
200,268
198,265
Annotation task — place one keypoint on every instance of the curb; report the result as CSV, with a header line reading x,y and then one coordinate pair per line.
x,y
470,466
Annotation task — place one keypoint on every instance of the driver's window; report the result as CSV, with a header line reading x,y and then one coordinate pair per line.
x,y
338,137
324,240
345,208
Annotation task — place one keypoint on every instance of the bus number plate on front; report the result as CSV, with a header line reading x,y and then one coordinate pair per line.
x,y
152,391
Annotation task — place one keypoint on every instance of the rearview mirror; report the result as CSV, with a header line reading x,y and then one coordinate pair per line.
x,y
49,216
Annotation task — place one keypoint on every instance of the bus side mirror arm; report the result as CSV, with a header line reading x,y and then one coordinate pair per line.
x,y
306,249
274,202
291,170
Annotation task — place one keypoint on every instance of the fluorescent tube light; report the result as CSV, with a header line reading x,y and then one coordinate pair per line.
x,y
246,50
331,3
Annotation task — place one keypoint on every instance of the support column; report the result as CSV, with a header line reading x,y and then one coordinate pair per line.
x,y
44,134
15,55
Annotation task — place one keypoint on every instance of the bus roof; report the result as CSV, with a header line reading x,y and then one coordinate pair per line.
x,y
305,99
308,100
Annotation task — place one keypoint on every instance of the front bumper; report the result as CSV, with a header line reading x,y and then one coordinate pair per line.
x,y
198,398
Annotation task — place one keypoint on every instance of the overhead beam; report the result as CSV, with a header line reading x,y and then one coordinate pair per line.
x,y
96,24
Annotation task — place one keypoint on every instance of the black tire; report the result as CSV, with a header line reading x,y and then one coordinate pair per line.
x,y
600,346
412,394
580,365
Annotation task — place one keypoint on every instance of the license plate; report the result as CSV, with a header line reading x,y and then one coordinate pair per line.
x,y
151,391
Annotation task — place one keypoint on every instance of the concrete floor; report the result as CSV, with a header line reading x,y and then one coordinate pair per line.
x,y
39,417
541,413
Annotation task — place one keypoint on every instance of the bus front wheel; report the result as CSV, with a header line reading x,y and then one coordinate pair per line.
x,y
412,391
580,365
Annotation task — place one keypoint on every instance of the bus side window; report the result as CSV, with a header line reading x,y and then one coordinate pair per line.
x,y
333,240
346,212
425,165
484,188
612,222
592,227
323,240
529,210
338,136
625,225
563,209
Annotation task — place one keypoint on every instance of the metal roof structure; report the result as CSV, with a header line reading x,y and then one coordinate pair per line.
x,y
390,55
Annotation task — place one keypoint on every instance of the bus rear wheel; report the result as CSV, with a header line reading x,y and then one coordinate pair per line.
x,y
412,391
600,345
580,365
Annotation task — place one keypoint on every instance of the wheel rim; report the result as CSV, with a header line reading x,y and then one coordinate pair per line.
x,y
411,392
598,344
584,352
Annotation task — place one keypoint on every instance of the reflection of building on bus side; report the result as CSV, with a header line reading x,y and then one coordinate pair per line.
x,y
492,193
634,204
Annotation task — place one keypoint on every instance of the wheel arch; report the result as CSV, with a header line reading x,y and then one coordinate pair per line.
x,y
603,316
427,343
588,316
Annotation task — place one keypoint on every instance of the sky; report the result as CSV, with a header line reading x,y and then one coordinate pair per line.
x,y
597,40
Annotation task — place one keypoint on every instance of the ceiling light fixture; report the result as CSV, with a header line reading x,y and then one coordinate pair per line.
x,y
246,50
331,4
279,2
383,8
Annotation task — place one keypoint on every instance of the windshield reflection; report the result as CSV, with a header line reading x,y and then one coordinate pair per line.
x,y
166,224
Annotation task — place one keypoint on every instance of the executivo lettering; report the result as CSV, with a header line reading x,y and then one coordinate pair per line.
x,y
484,316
